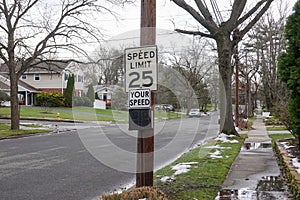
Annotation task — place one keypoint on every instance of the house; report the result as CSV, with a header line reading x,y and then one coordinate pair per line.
x,y
26,92
45,77
105,95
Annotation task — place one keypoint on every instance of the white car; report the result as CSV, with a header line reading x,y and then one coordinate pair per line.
x,y
194,112
5,103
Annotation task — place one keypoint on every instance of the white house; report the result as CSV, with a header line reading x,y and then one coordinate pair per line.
x,y
105,96
53,77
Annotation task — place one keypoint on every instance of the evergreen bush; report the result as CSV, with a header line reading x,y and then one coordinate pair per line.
x,y
69,92
50,99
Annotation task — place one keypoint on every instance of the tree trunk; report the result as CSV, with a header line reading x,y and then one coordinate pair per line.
x,y
15,115
225,69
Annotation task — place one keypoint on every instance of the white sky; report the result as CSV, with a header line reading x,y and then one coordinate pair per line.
x,y
166,12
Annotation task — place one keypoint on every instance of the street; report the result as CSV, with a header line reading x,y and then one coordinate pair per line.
x,y
84,163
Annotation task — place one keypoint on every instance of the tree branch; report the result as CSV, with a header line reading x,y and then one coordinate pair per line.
x,y
256,18
237,9
195,33
209,25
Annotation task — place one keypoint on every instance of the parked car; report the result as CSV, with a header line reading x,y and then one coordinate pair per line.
x,y
194,112
158,107
167,107
5,103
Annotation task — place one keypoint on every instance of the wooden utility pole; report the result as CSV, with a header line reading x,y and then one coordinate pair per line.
x,y
236,87
236,35
145,140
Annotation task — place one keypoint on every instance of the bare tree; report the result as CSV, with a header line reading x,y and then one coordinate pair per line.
x,y
111,71
193,64
221,32
32,30
107,69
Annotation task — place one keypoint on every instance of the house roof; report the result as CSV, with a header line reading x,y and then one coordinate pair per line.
x,y
22,86
45,67
4,86
100,88
27,87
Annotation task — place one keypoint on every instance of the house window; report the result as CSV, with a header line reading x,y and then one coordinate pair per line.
x,y
37,77
66,77
79,78
24,77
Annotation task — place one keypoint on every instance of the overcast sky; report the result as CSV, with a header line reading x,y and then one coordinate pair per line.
x,y
167,13
169,16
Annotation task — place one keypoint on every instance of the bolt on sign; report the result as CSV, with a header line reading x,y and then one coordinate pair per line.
x,y
141,68
140,115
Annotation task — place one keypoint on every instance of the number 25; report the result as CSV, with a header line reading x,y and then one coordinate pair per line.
x,y
146,78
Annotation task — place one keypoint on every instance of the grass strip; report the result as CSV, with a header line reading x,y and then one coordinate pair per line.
x,y
276,128
203,180
6,132
275,137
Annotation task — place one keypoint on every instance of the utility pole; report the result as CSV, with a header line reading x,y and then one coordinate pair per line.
x,y
145,140
236,36
237,87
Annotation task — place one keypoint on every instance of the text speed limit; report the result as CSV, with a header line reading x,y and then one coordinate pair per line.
x,y
141,68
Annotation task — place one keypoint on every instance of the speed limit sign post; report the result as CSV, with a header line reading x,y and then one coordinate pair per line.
x,y
141,68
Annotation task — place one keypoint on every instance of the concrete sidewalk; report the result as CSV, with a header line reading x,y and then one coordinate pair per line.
x,y
255,173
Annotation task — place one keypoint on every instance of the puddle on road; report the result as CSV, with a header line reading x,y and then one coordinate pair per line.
x,y
269,187
256,145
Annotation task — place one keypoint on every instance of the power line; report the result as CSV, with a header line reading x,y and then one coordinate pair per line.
x,y
121,39
216,11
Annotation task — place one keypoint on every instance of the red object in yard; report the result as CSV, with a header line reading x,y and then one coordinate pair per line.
x,y
108,102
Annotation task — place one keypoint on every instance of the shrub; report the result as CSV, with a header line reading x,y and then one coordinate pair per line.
x,y
69,92
91,93
82,101
4,96
87,102
150,193
77,101
50,99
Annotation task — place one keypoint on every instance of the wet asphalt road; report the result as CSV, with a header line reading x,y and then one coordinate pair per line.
x,y
61,166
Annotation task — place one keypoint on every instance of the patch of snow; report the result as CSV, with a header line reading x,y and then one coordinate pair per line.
x,y
224,138
246,193
296,164
183,167
216,154
216,147
167,179
285,145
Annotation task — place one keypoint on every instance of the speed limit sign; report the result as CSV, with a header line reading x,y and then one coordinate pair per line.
x,y
141,68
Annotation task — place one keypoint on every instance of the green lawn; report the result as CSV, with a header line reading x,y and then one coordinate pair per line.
x,y
275,137
276,128
5,131
204,179
81,114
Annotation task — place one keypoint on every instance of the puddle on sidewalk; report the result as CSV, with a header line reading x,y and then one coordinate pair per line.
x,y
269,187
256,145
